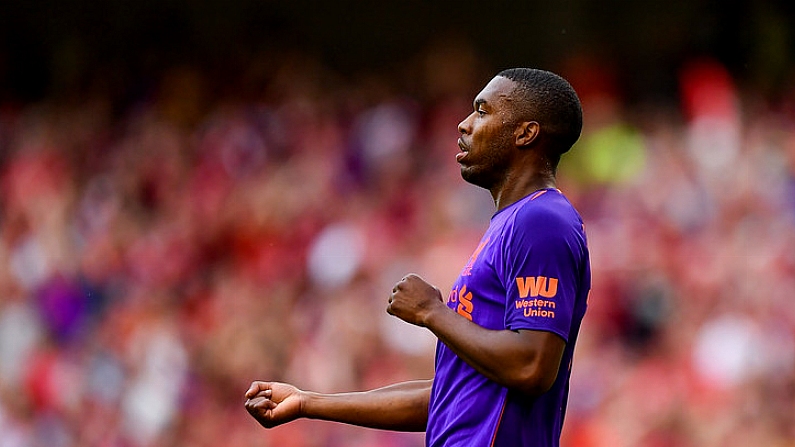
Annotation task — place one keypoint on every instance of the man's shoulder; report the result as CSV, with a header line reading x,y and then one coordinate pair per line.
x,y
550,209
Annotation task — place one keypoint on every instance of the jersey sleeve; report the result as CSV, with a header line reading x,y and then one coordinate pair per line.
x,y
541,272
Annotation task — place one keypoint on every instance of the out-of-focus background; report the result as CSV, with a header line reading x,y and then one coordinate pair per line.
x,y
198,194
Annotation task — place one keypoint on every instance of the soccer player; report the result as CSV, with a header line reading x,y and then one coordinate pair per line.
x,y
508,327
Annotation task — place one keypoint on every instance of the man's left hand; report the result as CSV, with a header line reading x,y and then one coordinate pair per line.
x,y
412,300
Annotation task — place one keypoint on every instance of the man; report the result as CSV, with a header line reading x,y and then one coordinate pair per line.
x,y
508,328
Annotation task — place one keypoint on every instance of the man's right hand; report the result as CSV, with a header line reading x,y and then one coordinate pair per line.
x,y
274,403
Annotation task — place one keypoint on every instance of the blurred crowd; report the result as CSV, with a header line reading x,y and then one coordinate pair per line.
x,y
156,258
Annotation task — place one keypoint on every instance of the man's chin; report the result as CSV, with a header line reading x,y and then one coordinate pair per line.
x,y
472,176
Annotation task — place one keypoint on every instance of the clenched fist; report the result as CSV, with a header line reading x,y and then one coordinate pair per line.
x,y
273,403
412,300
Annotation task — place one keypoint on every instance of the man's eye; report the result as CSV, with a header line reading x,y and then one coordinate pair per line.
x,y
480,112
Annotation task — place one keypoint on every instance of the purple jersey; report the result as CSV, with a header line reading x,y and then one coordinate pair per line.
x,y
531,271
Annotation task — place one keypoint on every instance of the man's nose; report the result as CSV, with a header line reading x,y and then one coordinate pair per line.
x,y
463,126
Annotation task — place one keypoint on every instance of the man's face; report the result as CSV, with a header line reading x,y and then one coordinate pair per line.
x,y
487,139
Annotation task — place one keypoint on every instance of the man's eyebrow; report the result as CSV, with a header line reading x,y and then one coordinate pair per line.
x,y
479,102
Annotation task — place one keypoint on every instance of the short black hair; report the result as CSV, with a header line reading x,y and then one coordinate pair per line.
x,y
550,100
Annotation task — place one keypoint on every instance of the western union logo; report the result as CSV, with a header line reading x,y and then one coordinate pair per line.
x,y
534,286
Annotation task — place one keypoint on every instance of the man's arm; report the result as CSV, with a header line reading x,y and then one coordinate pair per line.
x,y
400,407
524,360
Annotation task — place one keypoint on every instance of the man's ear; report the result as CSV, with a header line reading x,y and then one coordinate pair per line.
x,y
526,132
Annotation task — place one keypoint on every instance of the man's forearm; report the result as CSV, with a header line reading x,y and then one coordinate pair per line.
x,y
400,407
524,360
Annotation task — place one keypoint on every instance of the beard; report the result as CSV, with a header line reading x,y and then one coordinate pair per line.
x,y
487,166
481,176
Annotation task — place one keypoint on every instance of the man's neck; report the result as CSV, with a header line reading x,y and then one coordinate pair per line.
x,y
516,188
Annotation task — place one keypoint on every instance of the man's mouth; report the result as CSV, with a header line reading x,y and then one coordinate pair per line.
x,y
463,150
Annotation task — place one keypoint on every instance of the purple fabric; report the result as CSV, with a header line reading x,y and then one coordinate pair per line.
x,y
63,307
530,271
